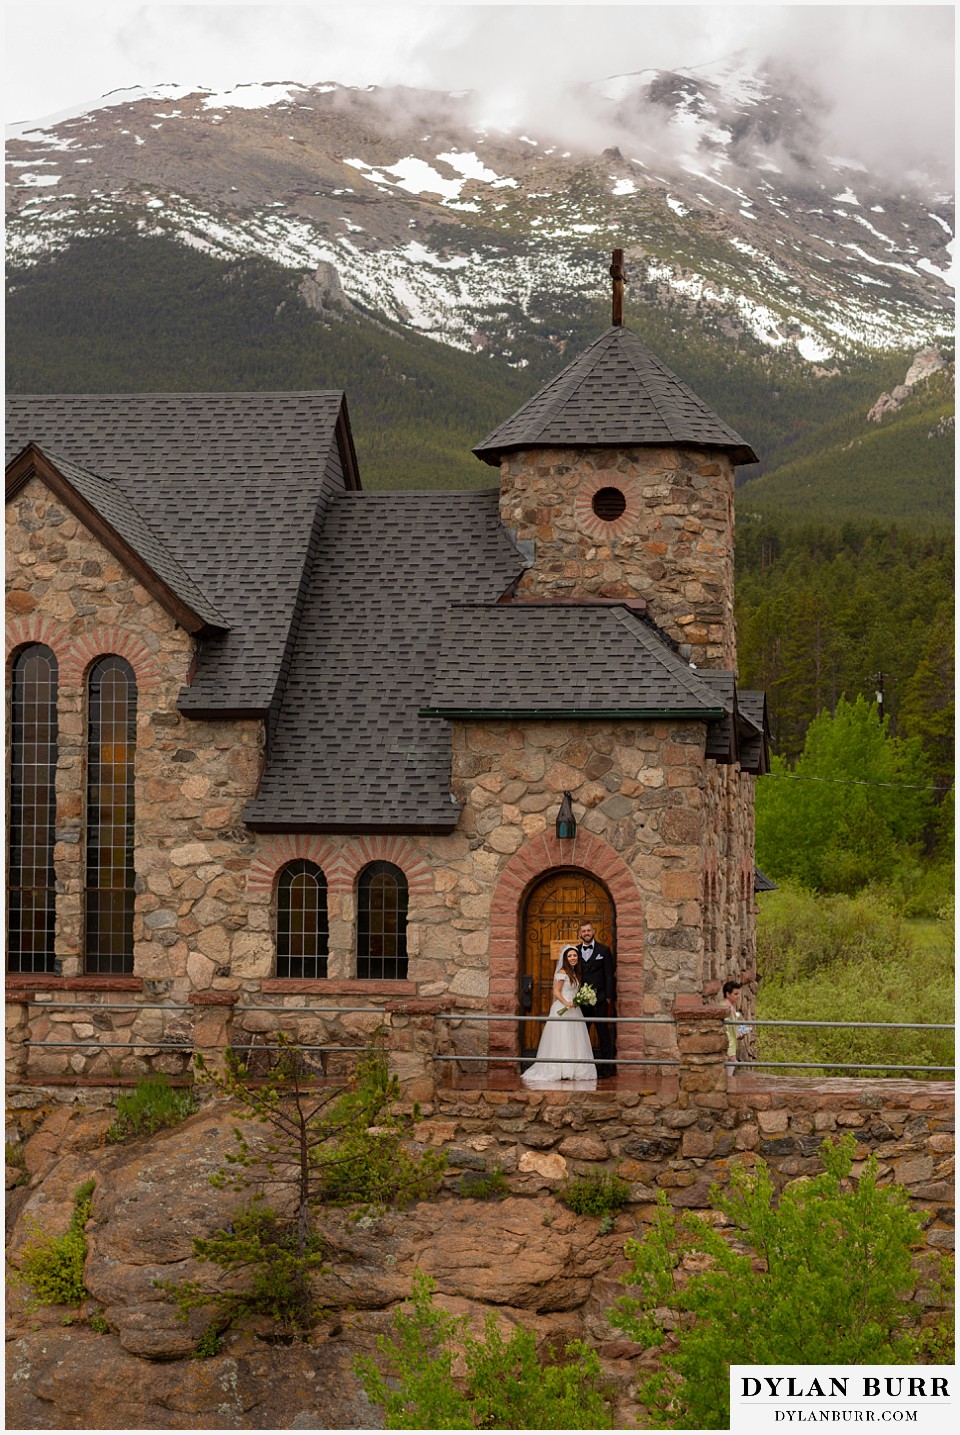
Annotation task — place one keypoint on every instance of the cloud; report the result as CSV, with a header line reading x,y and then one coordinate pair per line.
x,y
884,73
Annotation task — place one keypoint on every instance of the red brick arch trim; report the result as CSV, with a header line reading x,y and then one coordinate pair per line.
x,y
534,860
278,851
98,643
588,521
358,853
34,628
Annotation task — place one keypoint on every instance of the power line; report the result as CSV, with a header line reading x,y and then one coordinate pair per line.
x,y
863,782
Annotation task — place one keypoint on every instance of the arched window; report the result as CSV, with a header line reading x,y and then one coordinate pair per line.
x,y
382,922
33,804
301,921
111,742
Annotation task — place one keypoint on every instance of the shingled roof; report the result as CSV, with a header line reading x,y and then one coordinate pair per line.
x,y
585,660
94,498
232,488
351,751
616,394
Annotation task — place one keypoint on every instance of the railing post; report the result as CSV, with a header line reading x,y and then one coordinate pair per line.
x,y
17,1054
702,1045
211,1028
411,1044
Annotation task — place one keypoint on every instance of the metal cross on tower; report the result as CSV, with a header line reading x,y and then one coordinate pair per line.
x,y
618,274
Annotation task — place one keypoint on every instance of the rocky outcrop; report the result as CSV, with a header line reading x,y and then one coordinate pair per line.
x,y
531,1260
323,290
926,362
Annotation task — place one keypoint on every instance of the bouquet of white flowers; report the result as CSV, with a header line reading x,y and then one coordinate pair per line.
x,y
586,996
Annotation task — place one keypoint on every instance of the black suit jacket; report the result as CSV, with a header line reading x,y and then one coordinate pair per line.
x,y
599,972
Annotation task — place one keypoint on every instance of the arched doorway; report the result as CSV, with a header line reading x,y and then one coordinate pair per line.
x,y
552,913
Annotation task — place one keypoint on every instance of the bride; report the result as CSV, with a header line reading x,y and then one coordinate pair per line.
x,y
564,1053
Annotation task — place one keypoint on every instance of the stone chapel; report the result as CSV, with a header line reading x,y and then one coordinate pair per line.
x,y
286,752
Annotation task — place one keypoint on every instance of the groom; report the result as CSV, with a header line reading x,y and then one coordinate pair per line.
x,y
596,964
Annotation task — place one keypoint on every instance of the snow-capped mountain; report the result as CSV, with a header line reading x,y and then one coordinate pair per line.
x,y
405,204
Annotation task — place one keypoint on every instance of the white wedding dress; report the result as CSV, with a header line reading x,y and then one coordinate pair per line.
x,y
564,1053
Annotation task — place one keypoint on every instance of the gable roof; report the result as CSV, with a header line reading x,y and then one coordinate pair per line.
x,y
587,660
102,506
617,393
350,750
232,488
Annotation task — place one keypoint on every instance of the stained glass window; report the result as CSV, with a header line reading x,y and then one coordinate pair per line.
x,y
382,922
301,921
32,893
110,813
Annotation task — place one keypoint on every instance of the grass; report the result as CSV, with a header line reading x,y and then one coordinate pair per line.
x,y
152,1105
898,971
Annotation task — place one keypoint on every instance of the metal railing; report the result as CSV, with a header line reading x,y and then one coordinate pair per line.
x,y
179,1042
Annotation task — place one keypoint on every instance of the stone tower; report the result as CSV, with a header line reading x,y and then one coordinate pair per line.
x,y
619,481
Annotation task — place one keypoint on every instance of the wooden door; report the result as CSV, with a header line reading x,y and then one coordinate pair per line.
x,y
555,908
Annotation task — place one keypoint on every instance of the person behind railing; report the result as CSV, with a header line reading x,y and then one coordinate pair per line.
x,y
735,1032
564,1053
597,965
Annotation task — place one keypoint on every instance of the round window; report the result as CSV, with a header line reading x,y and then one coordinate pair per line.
x,y
609,504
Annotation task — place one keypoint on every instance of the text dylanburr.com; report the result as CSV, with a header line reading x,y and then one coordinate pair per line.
x,y
767,1398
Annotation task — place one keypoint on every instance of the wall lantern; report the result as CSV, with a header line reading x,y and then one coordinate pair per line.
x,y
566,822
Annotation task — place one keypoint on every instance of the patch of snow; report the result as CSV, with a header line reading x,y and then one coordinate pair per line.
x,y
871,259
847,197
252,96
942,222
35,181
623,186
525,139
138,140
877,209
839,163
812,349
948,275
676,206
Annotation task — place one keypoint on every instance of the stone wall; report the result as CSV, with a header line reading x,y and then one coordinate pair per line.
x,y
672,546
645,797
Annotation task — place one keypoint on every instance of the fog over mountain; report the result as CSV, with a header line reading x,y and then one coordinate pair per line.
x,y
879,79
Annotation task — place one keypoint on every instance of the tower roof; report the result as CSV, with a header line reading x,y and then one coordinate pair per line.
x,y
616,394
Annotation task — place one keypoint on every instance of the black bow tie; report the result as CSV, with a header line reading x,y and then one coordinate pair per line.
x,y
587,948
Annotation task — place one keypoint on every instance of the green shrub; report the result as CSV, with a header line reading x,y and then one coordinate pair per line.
x,y
209,1344
98,1323
319,1145
824,1277
595,1194
276,1261
53,1265
800,932
484,1186
506,1385
852,959
150,1106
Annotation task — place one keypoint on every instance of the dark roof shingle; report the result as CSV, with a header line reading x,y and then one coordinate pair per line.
x,y
233,486
350,749
573,660
617,393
